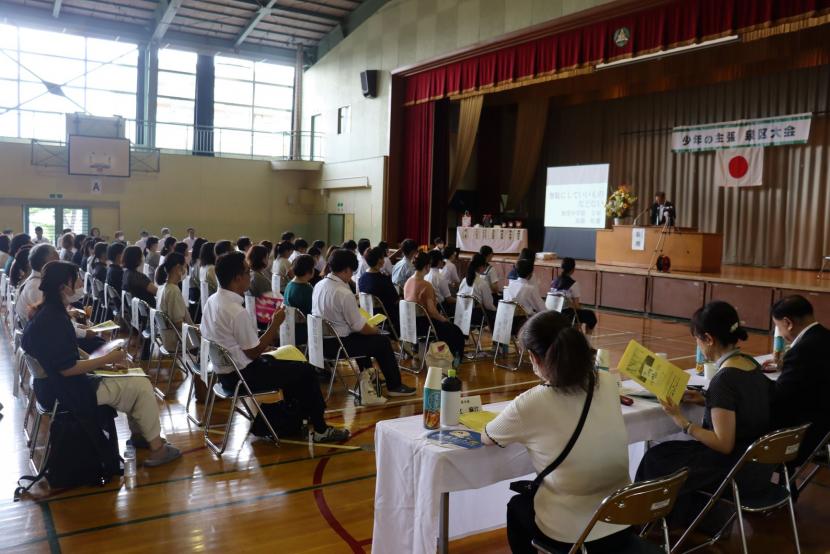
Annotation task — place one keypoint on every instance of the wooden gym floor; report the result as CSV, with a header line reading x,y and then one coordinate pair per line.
x,y
260,498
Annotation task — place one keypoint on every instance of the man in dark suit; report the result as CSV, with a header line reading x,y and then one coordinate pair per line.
x,y
662,210
802,392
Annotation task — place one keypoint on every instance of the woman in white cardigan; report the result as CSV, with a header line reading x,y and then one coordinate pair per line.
x,y
543,419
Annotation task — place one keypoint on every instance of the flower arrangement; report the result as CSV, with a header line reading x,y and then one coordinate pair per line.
x,y
619,202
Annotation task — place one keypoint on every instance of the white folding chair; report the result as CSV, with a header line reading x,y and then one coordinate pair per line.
x,y
159,323
464,306
506,313
320,330
191,360
409,314
555,302
204,293
275,284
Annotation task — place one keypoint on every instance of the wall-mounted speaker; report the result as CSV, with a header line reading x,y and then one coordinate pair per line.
x,y
369,83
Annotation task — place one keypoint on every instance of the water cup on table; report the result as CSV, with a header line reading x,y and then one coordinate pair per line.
x,y
603,359
662,355
709,370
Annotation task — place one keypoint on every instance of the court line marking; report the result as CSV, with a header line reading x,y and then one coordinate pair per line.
x,y
51,532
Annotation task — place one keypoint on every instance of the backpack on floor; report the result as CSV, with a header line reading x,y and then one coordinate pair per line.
x,y
82,452
284,417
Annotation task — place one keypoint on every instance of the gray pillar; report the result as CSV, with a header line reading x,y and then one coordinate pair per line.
x,y
297,120
146,95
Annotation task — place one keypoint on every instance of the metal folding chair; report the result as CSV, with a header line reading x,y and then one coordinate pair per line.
x,y
218,356
139,318
504,312
99,313
812,464
776,448
637,504
464,323
321,330
430,336
160,322
190,360
112,304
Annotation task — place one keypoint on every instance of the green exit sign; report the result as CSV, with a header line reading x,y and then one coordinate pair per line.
x,y
55,196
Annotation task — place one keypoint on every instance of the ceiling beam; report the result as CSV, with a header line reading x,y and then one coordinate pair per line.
x,y
260,14
56,8
165,13
328,18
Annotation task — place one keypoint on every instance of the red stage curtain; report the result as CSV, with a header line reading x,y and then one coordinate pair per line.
x,y
469,74
651,31
716,18
752,13
547,52
438,77
681,23
614,52
593,42
417,171
454,78
526,60
792,8
506,65
568,50
486,70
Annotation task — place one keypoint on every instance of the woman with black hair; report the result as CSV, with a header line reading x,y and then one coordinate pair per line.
x,y
474,284
169,298
525,254
78,252
67,250
20,269
115,274
50,338
98,262
544,419
566,286
166,247
417,289
282,266
257,258
489,272
5,243
134,280
18,242
207,268
737,411
151,256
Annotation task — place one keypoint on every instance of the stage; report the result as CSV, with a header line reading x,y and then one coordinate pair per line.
x,y
752,290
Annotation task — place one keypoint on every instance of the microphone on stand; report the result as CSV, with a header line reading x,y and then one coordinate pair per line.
x,y
639,215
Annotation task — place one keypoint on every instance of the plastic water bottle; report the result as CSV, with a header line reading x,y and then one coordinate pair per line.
x,y
699,361
432,399
130,467
603,359
450,399
778,347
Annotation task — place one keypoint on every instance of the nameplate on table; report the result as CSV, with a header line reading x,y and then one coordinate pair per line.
x,y
470,404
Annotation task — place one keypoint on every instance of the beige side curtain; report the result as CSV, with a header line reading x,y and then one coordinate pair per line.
x,y
531,122
468,119
784,223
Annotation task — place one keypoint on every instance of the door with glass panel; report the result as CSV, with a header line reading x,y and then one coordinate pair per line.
x,y
54,219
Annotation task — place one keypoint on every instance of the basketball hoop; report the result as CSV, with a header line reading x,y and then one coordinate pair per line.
x,y
98,164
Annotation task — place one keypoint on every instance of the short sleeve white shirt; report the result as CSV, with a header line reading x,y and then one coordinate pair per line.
x,y
226,322
450,273
439,284
334,301
525,294
480,291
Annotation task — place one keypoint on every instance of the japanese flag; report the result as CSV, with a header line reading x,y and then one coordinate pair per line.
x,y
739,167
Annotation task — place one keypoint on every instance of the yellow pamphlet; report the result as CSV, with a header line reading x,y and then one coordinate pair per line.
x,y
477,420
105,326
373,320
663,378
289,353
131,372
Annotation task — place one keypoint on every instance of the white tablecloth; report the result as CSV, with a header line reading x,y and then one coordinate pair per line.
x,y
412,474
502,241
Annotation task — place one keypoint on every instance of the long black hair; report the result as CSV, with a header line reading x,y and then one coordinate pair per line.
x,y
170,261
567,360
55,275
20,266
149,243
478,262
719,320
167,247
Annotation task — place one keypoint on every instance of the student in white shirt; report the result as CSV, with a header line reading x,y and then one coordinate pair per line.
x,y
300,248
543,419
449,271
566,286
142,240
387,267
522,291
362,267
226,322
169,298
490,272
281,265
334,301
404,269
39,238
475,285
320,265
190,239
434,277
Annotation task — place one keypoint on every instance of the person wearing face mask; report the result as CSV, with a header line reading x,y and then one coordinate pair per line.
x,y
736,413
169,298
544,419
50,338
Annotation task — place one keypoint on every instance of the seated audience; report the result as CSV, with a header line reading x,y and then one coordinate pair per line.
x,y
226,322
169,298
222,247
5,243
417,289
326,269
388,268
190,239
115,275
17,242
525,254
165,232
434,278
29,294
67,247
404,269
320,245
450,271
362,246
151,256
86,253
119,237
257,259
380,285
298,293
95,232
350,245
39,238
543,419
98,269
143,235
77,250
243,244
167,244
282,266
737,411
134,281
489,272
801,394
566,286
300,248
475,285
522,291
287,236
207,271
50,338
20,269
334,301
317,256
438,243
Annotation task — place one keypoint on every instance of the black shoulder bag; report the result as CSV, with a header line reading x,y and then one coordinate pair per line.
x,y
529,488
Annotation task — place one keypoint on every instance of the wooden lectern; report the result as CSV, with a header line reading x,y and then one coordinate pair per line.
x,y
689,249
